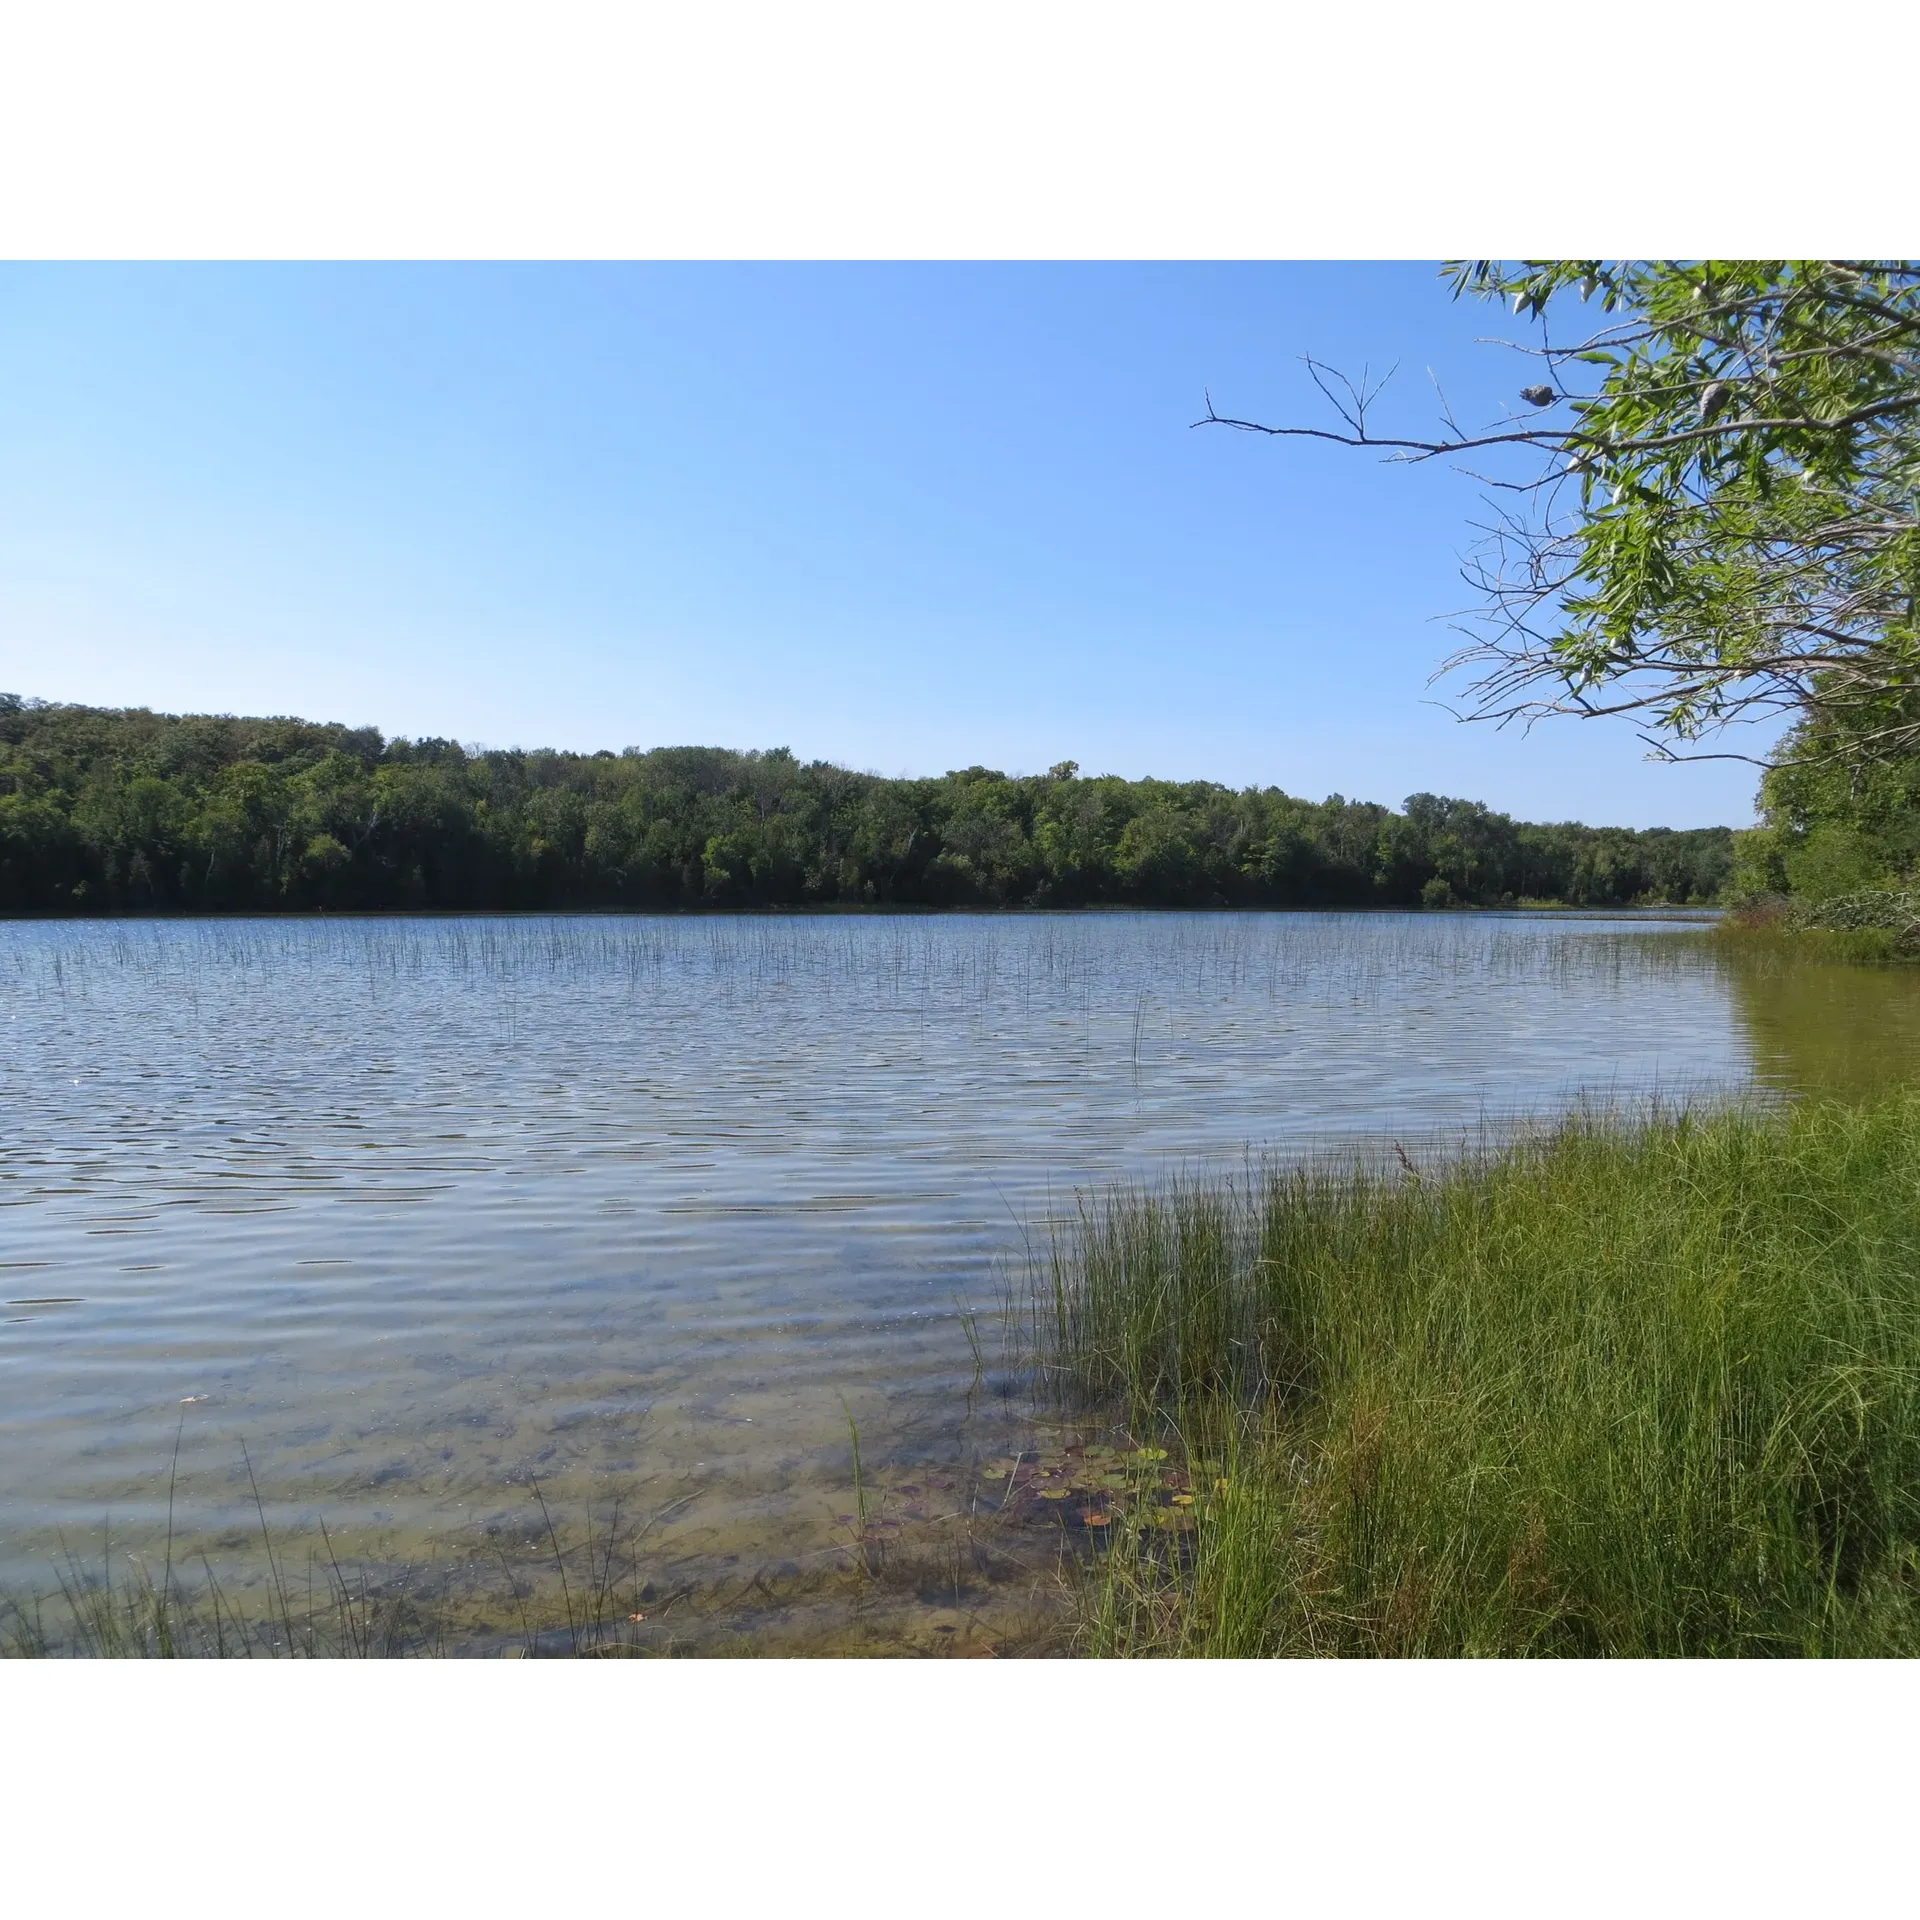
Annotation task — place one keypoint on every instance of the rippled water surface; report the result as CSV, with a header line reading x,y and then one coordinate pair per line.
x,y
413,1210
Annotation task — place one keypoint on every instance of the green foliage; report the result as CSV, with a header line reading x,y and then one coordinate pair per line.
x,y
1619,1390
132,811
1744,450
1834,822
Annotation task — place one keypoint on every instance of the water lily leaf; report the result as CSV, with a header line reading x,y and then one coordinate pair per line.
x,y
1183,1499
1098,1519
1056,1493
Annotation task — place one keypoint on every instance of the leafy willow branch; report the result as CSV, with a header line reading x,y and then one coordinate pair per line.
x,y
1722,523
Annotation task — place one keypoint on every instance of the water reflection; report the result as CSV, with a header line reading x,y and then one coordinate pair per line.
x,y
1826,1029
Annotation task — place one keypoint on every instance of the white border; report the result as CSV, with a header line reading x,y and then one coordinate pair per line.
x,y
999,128
785,1787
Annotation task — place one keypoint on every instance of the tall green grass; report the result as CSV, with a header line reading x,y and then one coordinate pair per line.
x,y
1762,940
1624,1389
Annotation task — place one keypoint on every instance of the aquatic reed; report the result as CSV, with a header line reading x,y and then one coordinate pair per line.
x,y
588,1602
1632,1386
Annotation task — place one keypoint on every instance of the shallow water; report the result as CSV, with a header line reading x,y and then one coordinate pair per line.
x,y
418,1211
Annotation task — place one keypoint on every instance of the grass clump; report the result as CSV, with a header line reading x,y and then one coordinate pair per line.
x,y
1838,946
587,1606
1877,928
1634,1389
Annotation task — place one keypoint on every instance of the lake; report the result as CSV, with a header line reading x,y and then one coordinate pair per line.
x,y
395,1221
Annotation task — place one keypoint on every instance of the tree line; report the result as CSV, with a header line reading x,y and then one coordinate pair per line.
x,y
1835,823
130,811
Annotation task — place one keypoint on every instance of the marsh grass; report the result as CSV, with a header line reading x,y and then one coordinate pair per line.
x,y
593,1593
926,1567
1130,966
1764,940
103,1614
1636,1386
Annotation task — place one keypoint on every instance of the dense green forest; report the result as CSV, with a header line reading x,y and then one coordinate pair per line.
x,y
1833,823
134,811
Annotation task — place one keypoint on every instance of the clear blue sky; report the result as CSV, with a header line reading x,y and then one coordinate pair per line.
x,y
903,517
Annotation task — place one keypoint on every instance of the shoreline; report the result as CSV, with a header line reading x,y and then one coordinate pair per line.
x,y
830,910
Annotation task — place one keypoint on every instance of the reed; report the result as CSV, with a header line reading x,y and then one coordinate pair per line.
x,y
587,1601
1635,1385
